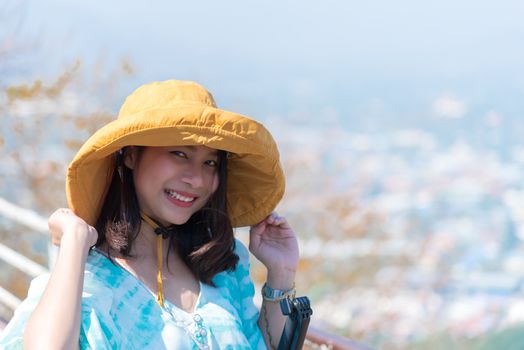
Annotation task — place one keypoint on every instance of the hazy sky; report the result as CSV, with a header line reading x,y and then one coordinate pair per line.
x,y
344,59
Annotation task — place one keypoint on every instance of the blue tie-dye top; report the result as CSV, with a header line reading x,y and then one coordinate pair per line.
x,y
119,312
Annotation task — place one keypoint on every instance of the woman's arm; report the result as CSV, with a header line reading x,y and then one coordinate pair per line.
x,y
274,243
271,320
55,323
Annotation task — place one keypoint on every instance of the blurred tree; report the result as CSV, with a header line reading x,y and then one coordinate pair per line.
x,y
44,120
43,123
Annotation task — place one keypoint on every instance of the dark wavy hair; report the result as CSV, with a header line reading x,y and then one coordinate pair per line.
x,y
205,242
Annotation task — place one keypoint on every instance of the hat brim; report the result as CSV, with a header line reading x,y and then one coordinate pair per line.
x,y
255,177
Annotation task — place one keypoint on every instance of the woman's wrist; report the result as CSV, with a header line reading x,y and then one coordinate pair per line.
x,y
283,279
276,295
76,240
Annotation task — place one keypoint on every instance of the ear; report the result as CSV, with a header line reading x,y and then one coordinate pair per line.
x,y
130,157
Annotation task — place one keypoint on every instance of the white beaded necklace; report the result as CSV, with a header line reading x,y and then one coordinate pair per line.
x,y
199,336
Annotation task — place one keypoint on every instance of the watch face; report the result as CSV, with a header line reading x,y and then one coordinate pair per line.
x,y
269,292
266,291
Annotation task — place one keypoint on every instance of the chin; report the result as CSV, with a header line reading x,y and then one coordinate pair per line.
x,y
176,220
179,222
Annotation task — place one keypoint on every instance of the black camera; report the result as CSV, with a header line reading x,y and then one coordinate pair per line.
x,y
299,313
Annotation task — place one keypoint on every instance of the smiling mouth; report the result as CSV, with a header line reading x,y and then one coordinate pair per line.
x,y
180,197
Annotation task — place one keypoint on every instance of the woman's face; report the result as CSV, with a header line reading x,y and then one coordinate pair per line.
x,y
173,183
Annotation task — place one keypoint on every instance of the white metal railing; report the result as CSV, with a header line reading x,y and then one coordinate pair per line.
x,y
35,222
23,216
8,299
21,262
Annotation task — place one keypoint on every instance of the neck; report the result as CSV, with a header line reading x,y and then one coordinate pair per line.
x,y
145,243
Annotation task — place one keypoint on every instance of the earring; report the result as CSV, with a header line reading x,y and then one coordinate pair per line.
x,y
119,162
121,173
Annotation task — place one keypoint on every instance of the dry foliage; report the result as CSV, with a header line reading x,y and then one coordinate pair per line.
x,y
44,124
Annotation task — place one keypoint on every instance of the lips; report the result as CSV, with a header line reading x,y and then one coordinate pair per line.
x,y
180,198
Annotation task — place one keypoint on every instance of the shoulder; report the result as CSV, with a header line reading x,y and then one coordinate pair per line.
x,y
104,282
238,279
101,271
237,286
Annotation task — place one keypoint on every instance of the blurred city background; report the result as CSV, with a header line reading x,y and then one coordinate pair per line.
x,y
400,126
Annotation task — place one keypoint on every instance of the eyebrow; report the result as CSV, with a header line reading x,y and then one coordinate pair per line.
x,y
212,151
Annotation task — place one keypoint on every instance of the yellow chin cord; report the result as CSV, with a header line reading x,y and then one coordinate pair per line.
x,y
159,258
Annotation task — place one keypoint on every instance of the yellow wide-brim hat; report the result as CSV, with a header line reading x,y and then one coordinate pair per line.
x,y
181,113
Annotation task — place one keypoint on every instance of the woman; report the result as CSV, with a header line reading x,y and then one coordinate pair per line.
x,y
157,193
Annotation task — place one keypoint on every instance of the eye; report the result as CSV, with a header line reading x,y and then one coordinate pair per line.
x,y
179,154
211,163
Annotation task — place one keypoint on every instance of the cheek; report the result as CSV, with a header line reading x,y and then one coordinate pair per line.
x,y
140,184
145,179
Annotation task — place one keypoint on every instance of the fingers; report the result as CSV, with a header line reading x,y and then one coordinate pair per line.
x,y
64,219
63,211
273,220
276,220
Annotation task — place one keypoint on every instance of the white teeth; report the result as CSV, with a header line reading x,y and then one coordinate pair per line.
x,y
179,196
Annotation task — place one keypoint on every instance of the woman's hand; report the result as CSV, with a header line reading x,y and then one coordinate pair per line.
x,y
64,222
274,243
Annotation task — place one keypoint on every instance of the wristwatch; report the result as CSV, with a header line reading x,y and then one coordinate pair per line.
x,y
275,295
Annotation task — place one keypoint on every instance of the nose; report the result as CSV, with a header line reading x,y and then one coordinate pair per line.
x,y
193,176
